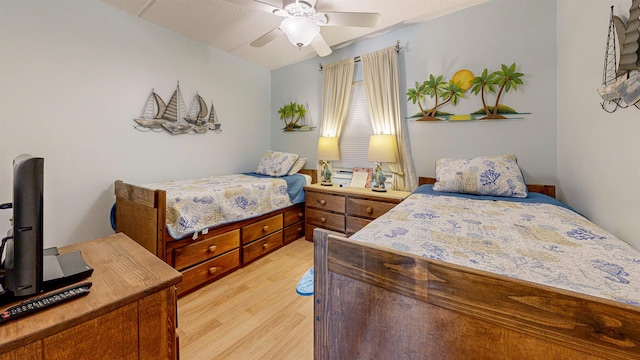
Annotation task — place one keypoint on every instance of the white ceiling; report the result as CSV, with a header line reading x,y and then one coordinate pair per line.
x,y
230,26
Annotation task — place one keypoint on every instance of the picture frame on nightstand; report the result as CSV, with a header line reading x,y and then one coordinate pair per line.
x,y
361,177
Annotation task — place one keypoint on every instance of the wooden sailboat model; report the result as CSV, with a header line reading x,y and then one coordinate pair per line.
x,y
197,111
621,82
213,123
151,116
176,108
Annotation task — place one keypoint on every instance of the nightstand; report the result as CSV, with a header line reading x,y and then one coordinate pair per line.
x,y
345,210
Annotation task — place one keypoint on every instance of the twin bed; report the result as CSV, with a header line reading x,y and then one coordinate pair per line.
x,y
208,227
449,275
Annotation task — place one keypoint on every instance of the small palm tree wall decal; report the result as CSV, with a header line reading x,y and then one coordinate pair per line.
x,y
291,114
506,79
438,89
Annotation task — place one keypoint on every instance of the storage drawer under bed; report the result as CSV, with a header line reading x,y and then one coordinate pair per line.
x,y
261,228
209,271
206,248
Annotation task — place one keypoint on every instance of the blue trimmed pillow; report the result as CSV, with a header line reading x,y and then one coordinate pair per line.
x,y
275,163
485,175
297,166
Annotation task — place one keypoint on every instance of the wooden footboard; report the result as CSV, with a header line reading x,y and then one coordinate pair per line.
x,y
373,302
141,215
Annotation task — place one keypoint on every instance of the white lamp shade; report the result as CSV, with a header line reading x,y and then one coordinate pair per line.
x,y
300,30
383,148
328,148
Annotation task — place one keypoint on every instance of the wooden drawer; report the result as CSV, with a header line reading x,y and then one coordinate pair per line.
x,y
367,208
206,249
261,228
325,220
293,232
293,216
325,201
208,271
354,224
308,232
261,247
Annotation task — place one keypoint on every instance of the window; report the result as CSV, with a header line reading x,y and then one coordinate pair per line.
x,y
354,139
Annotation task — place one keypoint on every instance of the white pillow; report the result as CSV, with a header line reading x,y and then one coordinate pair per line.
x,y
275,163
297,166
485,175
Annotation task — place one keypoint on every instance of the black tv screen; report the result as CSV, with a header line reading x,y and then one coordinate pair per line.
x,y
23,257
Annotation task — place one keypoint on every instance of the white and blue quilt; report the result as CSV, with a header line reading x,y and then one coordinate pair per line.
x,y
195,205
534,239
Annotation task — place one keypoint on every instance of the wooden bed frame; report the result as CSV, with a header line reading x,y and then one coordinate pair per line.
x,y
374,302
141,215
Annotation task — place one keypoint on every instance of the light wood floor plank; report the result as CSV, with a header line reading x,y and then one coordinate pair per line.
x,y
253,313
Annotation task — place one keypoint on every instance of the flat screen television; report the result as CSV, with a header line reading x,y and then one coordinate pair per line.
x,y
23,269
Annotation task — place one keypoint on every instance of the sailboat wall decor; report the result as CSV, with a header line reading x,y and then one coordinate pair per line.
x,y
621,80
173,116
151,116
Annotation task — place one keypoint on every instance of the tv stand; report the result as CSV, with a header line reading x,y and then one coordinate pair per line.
x,y
129,313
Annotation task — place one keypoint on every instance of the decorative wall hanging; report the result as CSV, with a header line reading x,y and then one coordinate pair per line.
x,y
296,117
621,82
451,92
173,116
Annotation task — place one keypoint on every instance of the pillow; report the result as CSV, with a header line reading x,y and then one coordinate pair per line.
x,y
299,164
275,163
485,175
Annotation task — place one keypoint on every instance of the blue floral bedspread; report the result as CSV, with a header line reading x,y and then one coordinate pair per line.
x,y
195,205
532,241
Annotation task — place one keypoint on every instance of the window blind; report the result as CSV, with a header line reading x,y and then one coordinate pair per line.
x,y
354,140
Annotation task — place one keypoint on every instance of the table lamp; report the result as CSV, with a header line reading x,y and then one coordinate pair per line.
x,y
327,151
382,148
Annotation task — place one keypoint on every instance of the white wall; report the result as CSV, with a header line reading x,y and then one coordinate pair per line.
x,y
74,74
598,152
485,36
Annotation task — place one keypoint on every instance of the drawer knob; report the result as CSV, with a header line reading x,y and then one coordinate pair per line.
x,y
265,245
265,228
323,202
369,210
301,215
212,248
323,220
300,229
212,270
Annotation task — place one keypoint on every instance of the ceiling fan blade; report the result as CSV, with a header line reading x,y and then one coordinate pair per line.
x,y
370,20
266,38
255,4
320,46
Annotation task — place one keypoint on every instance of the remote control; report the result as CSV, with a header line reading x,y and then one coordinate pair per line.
x,y
34,305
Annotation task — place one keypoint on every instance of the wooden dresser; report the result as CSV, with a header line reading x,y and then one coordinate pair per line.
x,y
345,210
129,313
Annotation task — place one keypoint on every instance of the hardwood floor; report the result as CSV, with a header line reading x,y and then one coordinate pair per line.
x,y
253,313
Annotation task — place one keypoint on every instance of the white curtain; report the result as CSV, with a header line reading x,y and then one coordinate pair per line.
x,y
336,91
380,79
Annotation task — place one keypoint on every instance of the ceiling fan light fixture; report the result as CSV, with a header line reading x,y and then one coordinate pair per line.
x,y
300,30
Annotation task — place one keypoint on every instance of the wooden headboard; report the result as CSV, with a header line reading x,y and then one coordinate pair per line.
x,y
549,190
311,172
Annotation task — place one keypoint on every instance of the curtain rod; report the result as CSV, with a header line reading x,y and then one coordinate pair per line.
x,y
357,58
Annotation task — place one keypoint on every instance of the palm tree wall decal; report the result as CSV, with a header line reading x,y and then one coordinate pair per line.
x,y
438,89
506,79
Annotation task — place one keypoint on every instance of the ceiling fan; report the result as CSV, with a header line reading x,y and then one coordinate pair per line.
x,y
302,22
